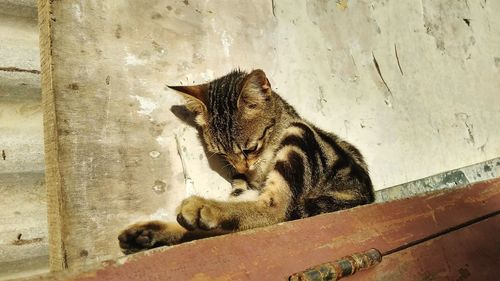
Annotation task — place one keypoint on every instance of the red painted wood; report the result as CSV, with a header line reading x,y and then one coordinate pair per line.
x,y
471,253
273,253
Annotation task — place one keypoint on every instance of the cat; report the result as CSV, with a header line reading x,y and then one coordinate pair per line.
x,y
286,168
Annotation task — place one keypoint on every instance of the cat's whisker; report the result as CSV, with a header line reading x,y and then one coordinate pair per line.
x,y
211,155
258,163
225,166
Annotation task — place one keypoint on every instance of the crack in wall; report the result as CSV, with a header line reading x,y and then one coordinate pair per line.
x,y
465,118
389,95
397,59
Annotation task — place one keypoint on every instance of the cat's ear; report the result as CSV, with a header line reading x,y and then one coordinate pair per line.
x,y
195,95
256,90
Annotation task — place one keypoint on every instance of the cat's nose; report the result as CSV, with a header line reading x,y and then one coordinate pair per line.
x,y
241,168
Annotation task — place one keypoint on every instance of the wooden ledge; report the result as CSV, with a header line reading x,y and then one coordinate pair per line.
x,y
275,252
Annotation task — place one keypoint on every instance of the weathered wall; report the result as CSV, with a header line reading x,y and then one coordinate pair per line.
x,y
20,99
413,84
23,215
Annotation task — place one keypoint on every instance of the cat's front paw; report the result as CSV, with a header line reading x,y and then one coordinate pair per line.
x,y
239,183
143,236
199,213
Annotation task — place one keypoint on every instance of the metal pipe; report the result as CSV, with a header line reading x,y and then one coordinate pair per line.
x,y
343,267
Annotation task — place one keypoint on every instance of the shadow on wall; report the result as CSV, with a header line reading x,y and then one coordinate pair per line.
x,y
215,162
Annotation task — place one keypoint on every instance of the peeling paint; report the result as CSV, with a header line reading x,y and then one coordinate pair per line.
x,y
160,214
158,48
347,124
496,61
342,5
154,154
470,174
227,41
455,178
207,75
449,23
162,141
465,118
131,59
78,12
159,186
146,105
321,101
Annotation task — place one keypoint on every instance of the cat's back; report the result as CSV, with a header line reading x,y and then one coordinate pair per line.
x,y
331,165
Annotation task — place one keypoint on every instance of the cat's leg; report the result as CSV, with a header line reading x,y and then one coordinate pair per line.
x,y
239,184
152,234
269,207
147,235
242,189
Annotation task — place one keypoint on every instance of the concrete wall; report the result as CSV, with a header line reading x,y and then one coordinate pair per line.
x,y
23,218
413,85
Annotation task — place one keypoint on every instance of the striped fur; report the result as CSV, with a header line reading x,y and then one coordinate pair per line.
x,y
285,167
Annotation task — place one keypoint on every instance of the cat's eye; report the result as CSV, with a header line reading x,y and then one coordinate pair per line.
x,y
250,150
252,105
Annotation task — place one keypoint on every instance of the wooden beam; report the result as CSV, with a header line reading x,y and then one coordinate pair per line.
x,y
55,202
105,166
275,252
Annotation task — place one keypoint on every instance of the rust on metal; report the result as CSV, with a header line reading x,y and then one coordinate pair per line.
x,y
343,267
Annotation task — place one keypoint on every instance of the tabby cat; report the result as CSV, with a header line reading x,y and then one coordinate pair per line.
x,y
286,168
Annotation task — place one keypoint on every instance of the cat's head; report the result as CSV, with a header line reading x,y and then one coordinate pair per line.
x,y
236,114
